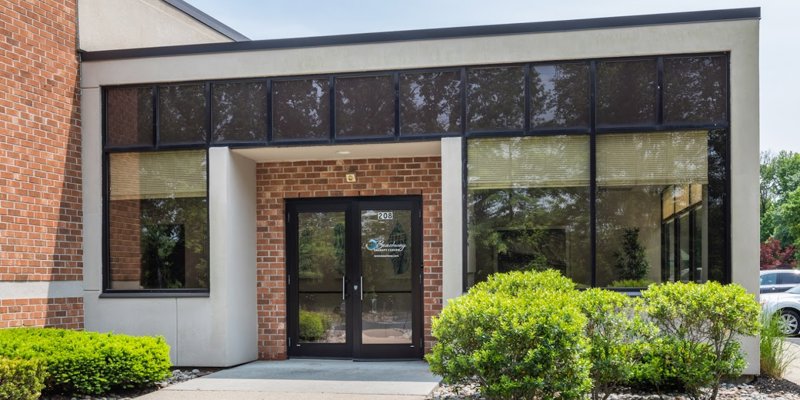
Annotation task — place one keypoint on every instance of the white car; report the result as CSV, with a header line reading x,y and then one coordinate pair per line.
x,y
788,305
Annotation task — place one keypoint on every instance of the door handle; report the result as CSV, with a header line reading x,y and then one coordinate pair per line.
x,y
342,287
362,288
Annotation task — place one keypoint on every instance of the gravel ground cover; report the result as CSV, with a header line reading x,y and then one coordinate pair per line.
x,y
758,389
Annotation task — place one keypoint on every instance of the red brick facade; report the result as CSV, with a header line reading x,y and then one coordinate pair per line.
x,y
40,151
63,312
277,182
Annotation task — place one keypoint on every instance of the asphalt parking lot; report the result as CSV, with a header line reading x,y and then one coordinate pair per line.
x,y
795,340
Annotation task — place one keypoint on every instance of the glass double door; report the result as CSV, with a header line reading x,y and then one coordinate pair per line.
x,y
354,277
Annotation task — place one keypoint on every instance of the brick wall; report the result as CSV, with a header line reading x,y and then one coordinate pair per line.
x,y
277,182
64,312
40,171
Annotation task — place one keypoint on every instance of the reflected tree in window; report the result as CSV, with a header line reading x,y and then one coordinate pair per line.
x,y
240,112
559,96
430,102
695,90
496,99
365,106
626,92
528,206
158,220
300,109
182,114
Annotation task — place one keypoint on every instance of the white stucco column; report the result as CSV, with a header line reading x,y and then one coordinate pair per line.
x,y
452,219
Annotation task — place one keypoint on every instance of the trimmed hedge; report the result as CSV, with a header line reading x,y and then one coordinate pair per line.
x,y
21,379
88,362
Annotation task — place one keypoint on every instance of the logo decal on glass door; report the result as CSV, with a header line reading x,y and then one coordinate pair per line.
x,y
381,249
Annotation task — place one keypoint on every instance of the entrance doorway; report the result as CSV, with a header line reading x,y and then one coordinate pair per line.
x,y
355,277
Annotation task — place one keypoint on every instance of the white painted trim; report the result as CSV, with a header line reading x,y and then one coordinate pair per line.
x,y
40,289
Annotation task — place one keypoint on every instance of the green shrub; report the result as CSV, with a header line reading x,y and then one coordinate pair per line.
x,y
631,283
517,336
21,379
89,362
313,325
774,356
614,326
667,364
698,324
523,282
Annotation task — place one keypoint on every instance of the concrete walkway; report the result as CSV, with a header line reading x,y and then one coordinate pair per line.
x,y
308,379
792,372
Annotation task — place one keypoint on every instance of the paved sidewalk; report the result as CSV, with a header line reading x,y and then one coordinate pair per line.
x,y
793,370
308,379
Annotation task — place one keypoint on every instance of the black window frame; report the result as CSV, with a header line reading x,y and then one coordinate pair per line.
x,y
593,131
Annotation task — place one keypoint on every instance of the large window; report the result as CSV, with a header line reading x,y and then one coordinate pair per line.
x,y
528,206
659,207
612,171
158,220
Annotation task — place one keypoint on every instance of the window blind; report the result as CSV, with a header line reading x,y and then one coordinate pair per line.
x,y
658,158
158,175
527,162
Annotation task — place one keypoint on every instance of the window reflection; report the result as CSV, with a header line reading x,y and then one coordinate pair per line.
x,y
240,112
496,99
695,90
365,107
129,116
158,220
559,96
430,103
301,109
528,206
626,92
653,205
182,114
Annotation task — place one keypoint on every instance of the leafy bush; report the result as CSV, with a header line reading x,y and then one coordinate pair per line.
x,y
89,362
669,364
21,379
313,325
631,283
698,326
614,326
517,283
518,335
774,356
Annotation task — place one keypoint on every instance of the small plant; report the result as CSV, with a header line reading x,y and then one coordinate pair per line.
x,y
313,325
21,379
519,335
772,343
631,262
698,326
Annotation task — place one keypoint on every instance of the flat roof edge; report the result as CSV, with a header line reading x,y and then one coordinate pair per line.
x,y
431,34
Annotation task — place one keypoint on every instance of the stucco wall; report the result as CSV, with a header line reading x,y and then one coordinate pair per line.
x,y
125,24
